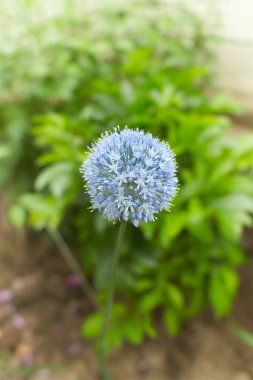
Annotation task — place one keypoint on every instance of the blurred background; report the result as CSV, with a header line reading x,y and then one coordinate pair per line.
x,y
70,70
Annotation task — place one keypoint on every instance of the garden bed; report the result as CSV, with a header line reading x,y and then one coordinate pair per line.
x,y
47,340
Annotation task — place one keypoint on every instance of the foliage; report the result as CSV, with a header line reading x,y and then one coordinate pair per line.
x,y
85,77
244,335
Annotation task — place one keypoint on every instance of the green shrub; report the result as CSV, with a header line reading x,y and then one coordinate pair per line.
x,y
141,71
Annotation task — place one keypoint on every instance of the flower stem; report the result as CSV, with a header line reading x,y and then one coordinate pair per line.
x,y
73,264
108,307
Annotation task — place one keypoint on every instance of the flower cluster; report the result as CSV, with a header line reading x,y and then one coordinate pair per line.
x,y
130,175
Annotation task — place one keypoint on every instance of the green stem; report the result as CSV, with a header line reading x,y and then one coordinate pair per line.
x,y
70,259
108,308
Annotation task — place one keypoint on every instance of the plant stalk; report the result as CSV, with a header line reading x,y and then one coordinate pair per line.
x,y
70,259
108,307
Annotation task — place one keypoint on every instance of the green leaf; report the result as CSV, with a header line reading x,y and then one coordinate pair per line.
x,y
134,330
244,335
148,326
197,301
150,301
92,326
172,226
143,285
5,151
57,177
175,296
223,286
172,320
230,279
42,210
17,215
241,202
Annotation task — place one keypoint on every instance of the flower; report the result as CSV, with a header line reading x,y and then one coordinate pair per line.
x,y
19,322
74,280
130,175
6,296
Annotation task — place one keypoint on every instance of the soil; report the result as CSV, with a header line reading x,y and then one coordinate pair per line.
x,y
41,317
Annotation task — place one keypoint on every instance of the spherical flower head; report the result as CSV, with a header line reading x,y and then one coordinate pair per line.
x,y
130,175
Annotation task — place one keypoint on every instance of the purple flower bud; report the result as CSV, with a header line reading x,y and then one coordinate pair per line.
x,y
27,360
74,280
19,322
6,296
75,349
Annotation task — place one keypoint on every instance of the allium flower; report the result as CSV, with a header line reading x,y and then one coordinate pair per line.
x,y
130,175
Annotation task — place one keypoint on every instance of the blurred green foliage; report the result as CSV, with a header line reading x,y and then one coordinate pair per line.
x,y
74,77
244,335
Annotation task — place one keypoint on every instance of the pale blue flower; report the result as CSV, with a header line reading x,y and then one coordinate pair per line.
x,y
130,175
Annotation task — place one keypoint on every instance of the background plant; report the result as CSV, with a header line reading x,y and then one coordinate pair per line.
x,y
141,64
244,335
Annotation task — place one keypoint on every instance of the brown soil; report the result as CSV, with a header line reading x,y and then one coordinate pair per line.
x,y
206,349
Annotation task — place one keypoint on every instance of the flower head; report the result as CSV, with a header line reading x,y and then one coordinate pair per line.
x,y
130,175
